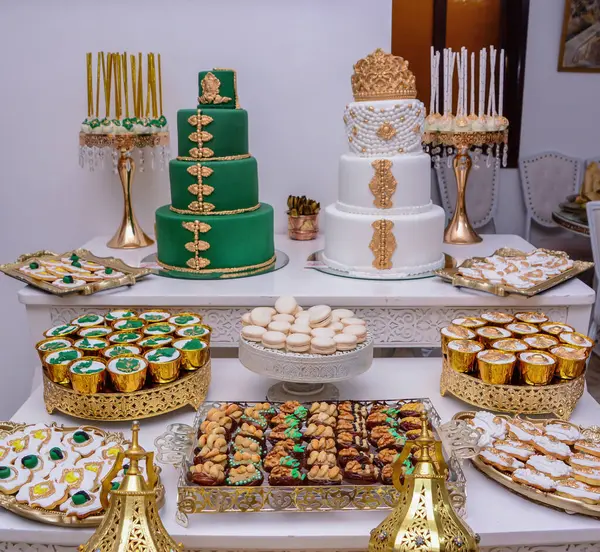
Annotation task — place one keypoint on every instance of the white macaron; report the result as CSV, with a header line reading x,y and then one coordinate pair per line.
x,y
261,316
338,314
300,329
345,342
284,318
358,331
283,327
322,332
286,304
322,346
298,343
246,319
273,340
337,327
253,333
353,321
320,316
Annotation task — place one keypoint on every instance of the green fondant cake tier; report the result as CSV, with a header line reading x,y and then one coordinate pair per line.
x,y
210,132
214,186
191,246
219,89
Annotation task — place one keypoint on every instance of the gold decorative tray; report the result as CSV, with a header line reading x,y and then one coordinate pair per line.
x,y
558,399
176,447
453,276
130,274
56,517
190,389
568,505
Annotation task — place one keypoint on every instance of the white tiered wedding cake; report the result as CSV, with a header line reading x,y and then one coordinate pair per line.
x,y
384,224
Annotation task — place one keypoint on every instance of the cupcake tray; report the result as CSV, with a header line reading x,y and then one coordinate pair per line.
x,y
568,505
452,275
558,398
130,274
156,399
176,446
56,517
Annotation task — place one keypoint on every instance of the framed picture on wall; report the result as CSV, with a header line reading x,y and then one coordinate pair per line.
x,y
580,39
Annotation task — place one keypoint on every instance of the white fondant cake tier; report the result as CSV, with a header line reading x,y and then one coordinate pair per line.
x,y
387,127
390,185
418,242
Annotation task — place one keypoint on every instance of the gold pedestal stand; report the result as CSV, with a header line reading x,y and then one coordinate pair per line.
x,y
459,231
130,234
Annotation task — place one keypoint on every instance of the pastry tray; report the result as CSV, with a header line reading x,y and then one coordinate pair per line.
x,y
568,505
452,275
56,517
130,274
189,389
308,498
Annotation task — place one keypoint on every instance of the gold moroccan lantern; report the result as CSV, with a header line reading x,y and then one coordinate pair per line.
x,y
131,522
424,519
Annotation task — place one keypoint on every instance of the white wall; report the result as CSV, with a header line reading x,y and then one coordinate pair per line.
x,y
294,61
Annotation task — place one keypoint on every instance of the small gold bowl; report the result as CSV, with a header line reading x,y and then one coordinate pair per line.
x,y
165,363
510,345
92,346
495,318
52,344
570,361
128,373
155,342
555,328
541,342
87,375
57,364
496,367
129,325
194,352
575,339
471,322
201,331
185,319
488,334
536,367
452,332
462,354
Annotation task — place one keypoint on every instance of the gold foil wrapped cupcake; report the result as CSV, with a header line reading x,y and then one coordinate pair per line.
x,y
497,318
165,363
160,328
92,346
194,352
522,329
541,342
531,317
201,331
555,328
155,342
120,314
496,367
449,333
154,316
128,373
87,375
88,320
575,339
536,367
462,354
95,331
57,364
53,344
185,319
471,322
64,330
488,334
570,361
510,345
121,350
129,325
119,338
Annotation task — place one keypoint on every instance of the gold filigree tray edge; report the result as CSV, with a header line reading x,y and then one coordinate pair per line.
x,y
57,518
567,505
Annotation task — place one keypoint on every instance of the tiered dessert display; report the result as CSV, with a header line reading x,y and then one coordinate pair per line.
x,y
76,271
522,363
301,457
147,128
451,131
215,226
54,474
125,365
384,224
512,271
550,462
306,350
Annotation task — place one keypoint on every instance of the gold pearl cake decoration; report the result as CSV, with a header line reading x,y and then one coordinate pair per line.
x,y
383,185
386,131
383,244
200,119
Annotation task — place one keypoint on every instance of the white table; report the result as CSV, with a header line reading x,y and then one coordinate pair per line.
x,y
401,313
506,522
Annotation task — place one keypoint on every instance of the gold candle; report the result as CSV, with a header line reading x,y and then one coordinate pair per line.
x,y
128,373
125,83
165,363
134,87
100,64
194,353
536,367
140,93
90,81
87,375
57,364
462,354
496,367
160,86
570,361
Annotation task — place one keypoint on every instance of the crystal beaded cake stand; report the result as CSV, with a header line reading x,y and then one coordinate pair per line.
x,y
305,377
446,143
91,151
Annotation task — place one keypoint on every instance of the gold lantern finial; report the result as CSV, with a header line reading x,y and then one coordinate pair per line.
x,y
424,519
131,522
382,76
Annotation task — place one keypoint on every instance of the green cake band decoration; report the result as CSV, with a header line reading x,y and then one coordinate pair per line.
x,y
233,212
224,270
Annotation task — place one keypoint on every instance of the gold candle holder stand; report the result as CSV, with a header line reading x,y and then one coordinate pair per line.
x,y
459,230
130,234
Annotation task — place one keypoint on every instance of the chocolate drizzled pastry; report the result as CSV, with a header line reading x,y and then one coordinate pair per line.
x,y
392,439
295,408
346,440
351,453
412,409
282,433
361,471
323,418
314,430
325,475
410,422
288,420
326,444
356,427
207,474
321,458
285,476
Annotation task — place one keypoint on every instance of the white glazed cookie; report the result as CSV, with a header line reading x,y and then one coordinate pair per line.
x,y
555,469
7,455
99,468
500,460
534,478
491,426
83,442
108,452
74,283
43,494
521,451
44,437
563,432
35,463
552,447
588,447
523,431
13,478
578,490
581,460
75,478
82,504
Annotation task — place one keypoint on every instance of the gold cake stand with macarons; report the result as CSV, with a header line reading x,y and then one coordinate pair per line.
x,y
306,350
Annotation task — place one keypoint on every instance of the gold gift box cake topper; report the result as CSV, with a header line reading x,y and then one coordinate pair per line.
x,y
382,76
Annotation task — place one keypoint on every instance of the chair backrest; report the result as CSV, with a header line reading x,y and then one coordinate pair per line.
x,y
482,190
593,215
547,179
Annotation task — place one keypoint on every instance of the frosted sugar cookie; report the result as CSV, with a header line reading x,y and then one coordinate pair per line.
x,y
500,460
43,494
521,451
534,479
551,447
75,478
564,432
555,469
83,442
579,491
82,504
13,478
588,447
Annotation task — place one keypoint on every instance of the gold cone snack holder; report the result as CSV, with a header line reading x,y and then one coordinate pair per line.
x,y
131,521
424,518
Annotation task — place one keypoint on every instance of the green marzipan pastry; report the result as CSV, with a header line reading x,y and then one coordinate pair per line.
x,y
235,240
226,88
229,130
234,183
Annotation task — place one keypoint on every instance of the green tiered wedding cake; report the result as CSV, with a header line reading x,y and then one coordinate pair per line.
x,y
215,226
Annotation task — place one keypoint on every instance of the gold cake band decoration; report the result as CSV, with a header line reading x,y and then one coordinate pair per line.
x,y
211,86
226,158
383,244
234,270
383,185
232,212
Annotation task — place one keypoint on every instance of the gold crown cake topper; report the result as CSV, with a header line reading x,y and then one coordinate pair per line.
x,y
382,76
